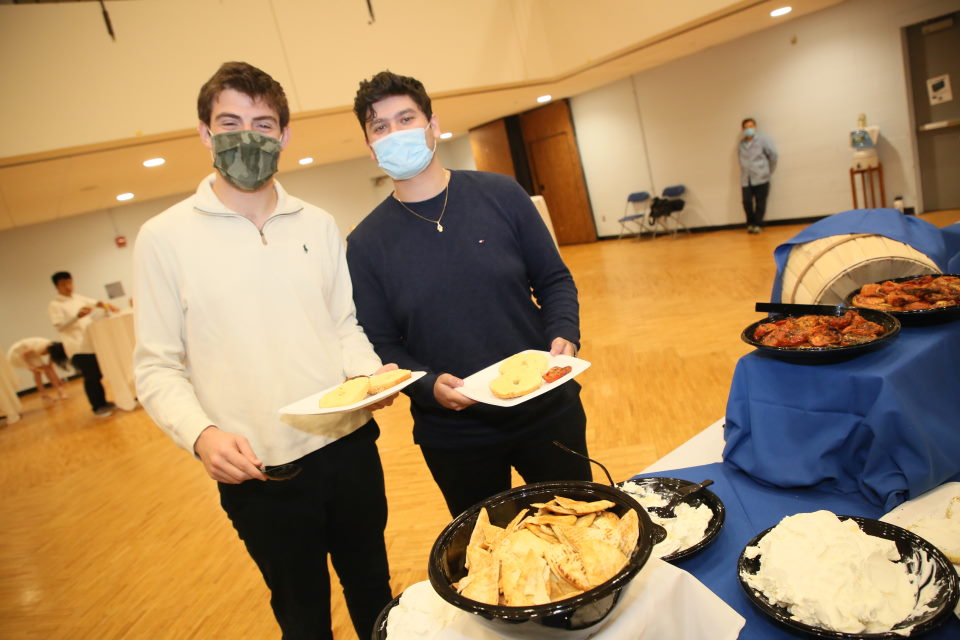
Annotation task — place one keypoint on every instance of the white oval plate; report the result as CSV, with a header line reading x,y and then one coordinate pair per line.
x,y
477,386
310,405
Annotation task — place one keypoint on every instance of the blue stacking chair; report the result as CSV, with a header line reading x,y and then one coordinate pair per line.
x,y
634,214
665,207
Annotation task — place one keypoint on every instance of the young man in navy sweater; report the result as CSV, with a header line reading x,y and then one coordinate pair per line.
x,y
443,271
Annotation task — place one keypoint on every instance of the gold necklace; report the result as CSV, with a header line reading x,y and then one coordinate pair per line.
x,y
446,194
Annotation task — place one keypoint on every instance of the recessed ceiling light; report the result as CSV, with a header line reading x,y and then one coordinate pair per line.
x,y
546,98
782,11
125,196
154,162
306,161
446,135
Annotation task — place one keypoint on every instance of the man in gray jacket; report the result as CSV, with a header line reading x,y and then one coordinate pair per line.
x,y
758,160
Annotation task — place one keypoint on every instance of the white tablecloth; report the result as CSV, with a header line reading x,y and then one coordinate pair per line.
x,y
10,405
661,603
113,341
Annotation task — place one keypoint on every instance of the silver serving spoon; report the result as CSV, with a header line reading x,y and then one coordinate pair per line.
x,y
682,494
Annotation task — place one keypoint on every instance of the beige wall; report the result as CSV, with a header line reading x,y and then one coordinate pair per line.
x,y
76,86
805,82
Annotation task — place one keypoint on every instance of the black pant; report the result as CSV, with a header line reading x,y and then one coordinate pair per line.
x,y
336,505
467,476
755,202
89,368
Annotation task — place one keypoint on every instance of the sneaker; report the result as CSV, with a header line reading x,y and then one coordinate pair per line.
x,y
104,411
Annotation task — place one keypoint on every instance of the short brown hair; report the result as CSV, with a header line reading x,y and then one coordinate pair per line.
x,y
246,79
382,86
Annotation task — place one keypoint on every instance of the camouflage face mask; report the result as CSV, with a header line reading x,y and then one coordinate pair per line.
x,y
245,159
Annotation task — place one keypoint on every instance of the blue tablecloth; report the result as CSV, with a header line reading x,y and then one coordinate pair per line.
x,y
890,223
951,240
751,508
884,425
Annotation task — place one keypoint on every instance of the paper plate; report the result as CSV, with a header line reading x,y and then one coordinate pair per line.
x,y
310,405
477,386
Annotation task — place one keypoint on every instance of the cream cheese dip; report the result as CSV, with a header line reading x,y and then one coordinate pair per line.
x,y
828,573
684,530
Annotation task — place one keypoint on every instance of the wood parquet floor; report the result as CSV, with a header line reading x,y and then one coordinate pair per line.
x,y
111,532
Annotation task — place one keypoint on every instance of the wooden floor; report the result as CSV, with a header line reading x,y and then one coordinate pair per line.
x,y
110,531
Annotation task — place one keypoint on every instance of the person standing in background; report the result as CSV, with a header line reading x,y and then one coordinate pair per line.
x,y
445,273
244,305
758,161
70,314
38,355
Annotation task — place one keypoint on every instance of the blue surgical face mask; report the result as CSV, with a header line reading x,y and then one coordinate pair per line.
x,y
404,154
749,132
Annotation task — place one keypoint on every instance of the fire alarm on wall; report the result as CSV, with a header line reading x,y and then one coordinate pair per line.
x,y
121,241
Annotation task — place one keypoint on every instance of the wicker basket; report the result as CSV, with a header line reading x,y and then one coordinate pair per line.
x,y
825,271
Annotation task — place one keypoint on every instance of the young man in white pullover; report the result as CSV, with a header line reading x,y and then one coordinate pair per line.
x,y
244,305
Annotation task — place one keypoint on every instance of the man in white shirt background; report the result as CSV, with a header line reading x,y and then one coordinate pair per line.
x,y
70,314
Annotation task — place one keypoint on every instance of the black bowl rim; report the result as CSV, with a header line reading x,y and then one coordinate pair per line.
x,y
780,615
889,322
704,496
380,625
915,314
639,558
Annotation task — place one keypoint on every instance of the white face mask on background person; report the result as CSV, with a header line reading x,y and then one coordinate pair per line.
x,y
404,154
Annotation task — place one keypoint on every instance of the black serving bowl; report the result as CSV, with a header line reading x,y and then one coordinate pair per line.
x,y
571,618
826,354
667,487
380,626
918,316
930,566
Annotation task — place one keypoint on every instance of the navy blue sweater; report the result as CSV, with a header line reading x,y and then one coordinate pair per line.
x,y
458,301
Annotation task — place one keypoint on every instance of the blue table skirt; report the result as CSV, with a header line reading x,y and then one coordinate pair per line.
x,y
884,425
751,508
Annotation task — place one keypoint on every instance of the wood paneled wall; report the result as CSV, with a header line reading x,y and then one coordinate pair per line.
x,y
491,148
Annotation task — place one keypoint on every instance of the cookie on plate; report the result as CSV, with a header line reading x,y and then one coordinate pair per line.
x,y
516,382
387,379
525,359
348,392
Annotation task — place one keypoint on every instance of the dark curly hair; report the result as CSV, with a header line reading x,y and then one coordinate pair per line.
x,y
382,86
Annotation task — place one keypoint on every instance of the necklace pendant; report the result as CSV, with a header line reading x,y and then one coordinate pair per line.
x,y
439,227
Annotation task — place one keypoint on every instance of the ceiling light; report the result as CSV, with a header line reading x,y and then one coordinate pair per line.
x,y
782,11
446,135
125,196
546,98
154,162
306,161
